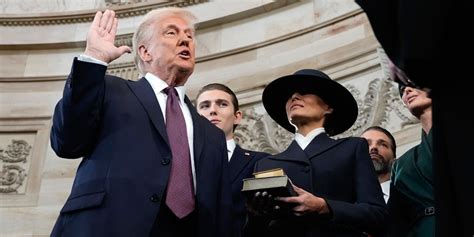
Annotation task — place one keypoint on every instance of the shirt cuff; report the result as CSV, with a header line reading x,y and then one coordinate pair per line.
x,y
90,59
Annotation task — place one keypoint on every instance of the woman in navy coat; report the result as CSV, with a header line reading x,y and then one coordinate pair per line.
x,y
337,189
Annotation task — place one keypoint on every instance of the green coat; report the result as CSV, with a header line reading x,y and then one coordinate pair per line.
x,y
412,177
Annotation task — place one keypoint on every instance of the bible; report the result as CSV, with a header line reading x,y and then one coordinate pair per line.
x,y
273,181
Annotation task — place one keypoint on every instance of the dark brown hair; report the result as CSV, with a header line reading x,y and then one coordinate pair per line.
x,y
393,144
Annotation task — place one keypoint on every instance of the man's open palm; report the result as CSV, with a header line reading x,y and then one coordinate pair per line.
x,y
101,38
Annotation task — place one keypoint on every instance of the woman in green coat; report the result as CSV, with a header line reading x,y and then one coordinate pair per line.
x,y
411,203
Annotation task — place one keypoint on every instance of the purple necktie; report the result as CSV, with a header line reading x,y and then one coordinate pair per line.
x,y
180,191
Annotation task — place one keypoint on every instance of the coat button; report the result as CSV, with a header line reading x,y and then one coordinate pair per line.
x,y
165,161
306,169
154,198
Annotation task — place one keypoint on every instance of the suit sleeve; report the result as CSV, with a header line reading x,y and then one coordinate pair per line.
x,y
369,212
77,115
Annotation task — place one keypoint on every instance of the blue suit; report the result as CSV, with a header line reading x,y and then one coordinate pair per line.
x,y
118,127
241,164
341,172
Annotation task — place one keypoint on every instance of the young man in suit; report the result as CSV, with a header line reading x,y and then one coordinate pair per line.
x,y
151,165
382,150
219,105
338,193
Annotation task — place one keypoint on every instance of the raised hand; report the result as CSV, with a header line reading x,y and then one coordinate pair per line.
x,y
101,38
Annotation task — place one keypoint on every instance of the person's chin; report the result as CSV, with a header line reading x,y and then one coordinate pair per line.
x,y
184,70
185,62
297,117
185,67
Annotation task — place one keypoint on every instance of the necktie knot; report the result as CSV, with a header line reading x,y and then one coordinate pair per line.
x,y
171,91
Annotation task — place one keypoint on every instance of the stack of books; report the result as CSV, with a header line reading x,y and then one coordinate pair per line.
x,y
274,182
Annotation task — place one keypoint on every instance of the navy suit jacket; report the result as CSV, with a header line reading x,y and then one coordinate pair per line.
x,y
341,172
118,127
242,165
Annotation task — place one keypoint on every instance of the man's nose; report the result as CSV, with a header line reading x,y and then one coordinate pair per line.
x,y
213,109
183,40
373,148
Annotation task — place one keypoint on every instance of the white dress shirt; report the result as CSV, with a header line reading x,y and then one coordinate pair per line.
x,y
386,190
158,85
230,148
303,141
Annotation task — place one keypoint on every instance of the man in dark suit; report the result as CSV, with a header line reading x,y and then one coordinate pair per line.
x,y
151,165
219,104
427,41
338,193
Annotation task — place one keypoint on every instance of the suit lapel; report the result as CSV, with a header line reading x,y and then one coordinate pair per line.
x,y
198,131
293,153
320,144
145,94
240,159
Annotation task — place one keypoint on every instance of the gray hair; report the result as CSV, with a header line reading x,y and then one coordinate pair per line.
x,y
145,29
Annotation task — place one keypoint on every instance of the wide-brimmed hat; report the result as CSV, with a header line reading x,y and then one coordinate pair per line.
x,y
310,81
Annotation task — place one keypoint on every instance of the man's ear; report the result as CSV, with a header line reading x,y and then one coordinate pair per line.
x,y
144,54
237,117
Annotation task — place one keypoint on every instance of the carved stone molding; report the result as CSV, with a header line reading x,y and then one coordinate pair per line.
x,y
11,178
125,39
259,132
124,70
23,143
15,161
375,106
33,79
110,3
121,10
17,151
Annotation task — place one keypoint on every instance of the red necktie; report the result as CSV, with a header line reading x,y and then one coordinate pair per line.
x,y
180,194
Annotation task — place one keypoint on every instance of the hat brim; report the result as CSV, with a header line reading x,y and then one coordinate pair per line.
x,y
277,93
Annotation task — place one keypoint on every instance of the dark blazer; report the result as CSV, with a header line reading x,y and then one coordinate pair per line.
x,y
118,127
341,172
242,165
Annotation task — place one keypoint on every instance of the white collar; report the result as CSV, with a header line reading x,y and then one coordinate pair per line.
x,y
159,85
303,141
230,147
385,190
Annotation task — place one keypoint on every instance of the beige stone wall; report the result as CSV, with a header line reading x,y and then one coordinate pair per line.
x,y
244,44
